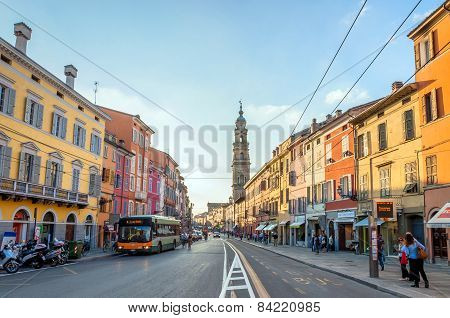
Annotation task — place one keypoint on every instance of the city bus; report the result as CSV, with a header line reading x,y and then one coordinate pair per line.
x,y
147,234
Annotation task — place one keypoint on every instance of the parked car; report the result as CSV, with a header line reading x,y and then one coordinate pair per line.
x,y
216,234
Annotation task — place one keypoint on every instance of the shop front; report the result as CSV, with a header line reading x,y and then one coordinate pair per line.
x,y
439,227
297,228
340,227
285,231
315,224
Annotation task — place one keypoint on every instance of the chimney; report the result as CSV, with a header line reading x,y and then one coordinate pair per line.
x,y
71,73
23,34
338,113
313,125
328,117
396,86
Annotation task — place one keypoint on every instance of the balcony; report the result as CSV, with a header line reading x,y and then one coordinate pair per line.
x,y
140,195
15,188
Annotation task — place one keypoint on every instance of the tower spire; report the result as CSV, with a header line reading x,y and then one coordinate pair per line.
x,y
240,108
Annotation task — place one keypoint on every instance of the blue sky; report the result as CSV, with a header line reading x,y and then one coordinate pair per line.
x,y
198,58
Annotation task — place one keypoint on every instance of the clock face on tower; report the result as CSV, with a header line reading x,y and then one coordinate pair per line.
x,y
241,158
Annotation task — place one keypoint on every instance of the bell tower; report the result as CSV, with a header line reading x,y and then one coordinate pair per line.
x,y
241,158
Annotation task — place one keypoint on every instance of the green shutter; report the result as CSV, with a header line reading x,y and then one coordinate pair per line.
x,y
10,101
36,169
21,176
6,161
48,173
27,110
54,123
83,138
40,115
59,176
63,127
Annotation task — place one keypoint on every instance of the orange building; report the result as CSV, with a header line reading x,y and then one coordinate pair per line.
x,y
432,60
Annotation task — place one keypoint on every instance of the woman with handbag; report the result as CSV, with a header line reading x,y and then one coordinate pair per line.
x,y
416,255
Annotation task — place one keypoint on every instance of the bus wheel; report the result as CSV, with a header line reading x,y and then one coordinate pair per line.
x,y
159,248
174,244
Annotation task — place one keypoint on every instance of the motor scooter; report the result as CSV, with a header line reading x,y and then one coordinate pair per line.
x,y
8,260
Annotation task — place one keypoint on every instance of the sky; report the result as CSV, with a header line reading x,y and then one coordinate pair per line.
x,y
183,66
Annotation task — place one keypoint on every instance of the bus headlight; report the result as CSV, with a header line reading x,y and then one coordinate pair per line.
x,y
146,247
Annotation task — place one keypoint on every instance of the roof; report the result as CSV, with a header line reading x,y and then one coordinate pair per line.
x,y
430,18
388,100
135,117
29,63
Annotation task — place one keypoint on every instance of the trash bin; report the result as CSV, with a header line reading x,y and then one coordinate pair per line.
x,y
75,249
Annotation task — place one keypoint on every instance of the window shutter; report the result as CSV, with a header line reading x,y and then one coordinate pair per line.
x,y
59,176
21,176
350,187
434,110
27,110
369,143
405,132
75,135
63,127
431,44
332,190
91,184
36,169
365,145
92,143
10,101
83,138
98,184
40,115
74,180
54,123
111,177
417,55
48,170
5,161
424,110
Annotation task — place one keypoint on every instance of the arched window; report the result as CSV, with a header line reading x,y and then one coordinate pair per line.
x,y
49,217
241,138
241,156
88,228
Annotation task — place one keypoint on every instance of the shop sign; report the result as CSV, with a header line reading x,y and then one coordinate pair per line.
x,y
346,214
385,209
374,245
37,232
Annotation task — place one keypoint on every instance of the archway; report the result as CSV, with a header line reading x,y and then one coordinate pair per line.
x,y
20,225
48,227
70,227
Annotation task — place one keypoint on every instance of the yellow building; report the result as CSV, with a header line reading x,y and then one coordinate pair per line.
x,y
283,217
51,149
389,182
432,59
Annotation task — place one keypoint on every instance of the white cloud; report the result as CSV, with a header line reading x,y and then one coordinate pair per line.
x,y
355,96
348,19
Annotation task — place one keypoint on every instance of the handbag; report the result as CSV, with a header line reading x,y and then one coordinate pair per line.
x,y
404,259
421,254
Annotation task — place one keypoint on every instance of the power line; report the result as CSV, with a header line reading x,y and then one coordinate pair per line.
x,y
329,65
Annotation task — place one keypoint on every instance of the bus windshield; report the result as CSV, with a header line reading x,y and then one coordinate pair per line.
x,y
132,233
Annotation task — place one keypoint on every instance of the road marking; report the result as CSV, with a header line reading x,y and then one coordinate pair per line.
x,y
275,273
224,264
23,284
300,291
285,280
14,284
260,289
301,280
321,282
36,270
70,271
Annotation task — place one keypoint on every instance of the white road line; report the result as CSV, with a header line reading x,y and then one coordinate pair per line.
x,y
36,270
224,264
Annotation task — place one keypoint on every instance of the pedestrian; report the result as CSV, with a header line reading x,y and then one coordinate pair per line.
x,y
189,241
317,243
330,243
403,258
275,239
325,242
313,241
416,255
380,245
266,238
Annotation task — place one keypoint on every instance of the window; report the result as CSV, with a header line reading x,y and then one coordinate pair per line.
x,y
96,143
408,125
131,208
127,164
53,176
60,95
346,186
79,135
150,185
75,179
132,183
327,191
364,145
382,142
139,164
34,113
133,164
425,51
431,164
80,108
385,183
363,187
141,140
59,125
35,78
138,184
344,145
7,100
135,134
144,185
95,181
147,143
429,107
105,152
5,59
328,153
29,167
318,141
117,181
410,177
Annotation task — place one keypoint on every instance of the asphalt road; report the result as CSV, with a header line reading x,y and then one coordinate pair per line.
x,y
196,273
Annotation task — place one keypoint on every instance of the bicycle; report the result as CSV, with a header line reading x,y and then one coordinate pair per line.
x,y
106,246
86,248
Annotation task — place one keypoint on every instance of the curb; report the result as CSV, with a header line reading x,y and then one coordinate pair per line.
x,y
358,280
92,258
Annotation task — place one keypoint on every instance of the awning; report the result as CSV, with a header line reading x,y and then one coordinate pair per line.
x,y
442,219
313,218
365,222
344,220
260,227
235,226
270,227
297,225
284,222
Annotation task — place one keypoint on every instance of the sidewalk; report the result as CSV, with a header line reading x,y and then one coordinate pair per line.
x,y
356,267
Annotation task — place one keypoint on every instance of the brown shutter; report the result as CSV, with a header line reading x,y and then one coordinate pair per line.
x,y
417,55
434,111
431,45
424,110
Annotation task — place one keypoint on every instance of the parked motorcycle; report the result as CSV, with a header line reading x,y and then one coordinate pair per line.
x,y
31,253
8,260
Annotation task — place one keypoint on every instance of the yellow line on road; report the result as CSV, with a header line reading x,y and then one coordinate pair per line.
x,y
260,289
